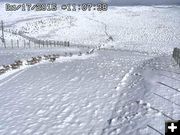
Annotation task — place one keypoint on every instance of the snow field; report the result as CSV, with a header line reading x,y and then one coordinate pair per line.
x,y
79,96
150,29
119,90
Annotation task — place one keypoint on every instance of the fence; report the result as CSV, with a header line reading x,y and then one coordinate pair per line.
x,y
29,42
176,55
33,43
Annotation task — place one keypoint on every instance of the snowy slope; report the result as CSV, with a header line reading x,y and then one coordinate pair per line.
x,y
74,97
151,29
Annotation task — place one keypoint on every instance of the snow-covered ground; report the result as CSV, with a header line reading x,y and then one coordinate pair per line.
x,y
119,89
73,97
149,96
151,29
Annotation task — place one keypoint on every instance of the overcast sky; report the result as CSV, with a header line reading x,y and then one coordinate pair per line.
x,y
111,2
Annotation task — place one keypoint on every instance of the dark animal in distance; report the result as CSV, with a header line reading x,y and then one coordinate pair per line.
x,y
52,59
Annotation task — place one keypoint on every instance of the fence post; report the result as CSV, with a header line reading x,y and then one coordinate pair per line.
x,y
68,44
11,43
43,43
54,43
3,39
39,43
34,44
46,42
57,43
17,43
29,44
24,43
4,43
49,43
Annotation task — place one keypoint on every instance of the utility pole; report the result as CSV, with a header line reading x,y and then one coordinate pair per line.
x,y
2,38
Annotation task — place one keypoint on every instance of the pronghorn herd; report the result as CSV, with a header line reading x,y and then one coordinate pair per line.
x,y
34,60
15,65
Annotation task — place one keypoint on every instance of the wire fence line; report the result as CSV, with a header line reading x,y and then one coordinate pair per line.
x,y
29,42
13,43
32,42
16,43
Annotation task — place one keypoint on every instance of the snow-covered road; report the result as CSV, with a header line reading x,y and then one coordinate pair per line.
x,y
74,97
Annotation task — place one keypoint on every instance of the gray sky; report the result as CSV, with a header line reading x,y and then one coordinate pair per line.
x,y
111,2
